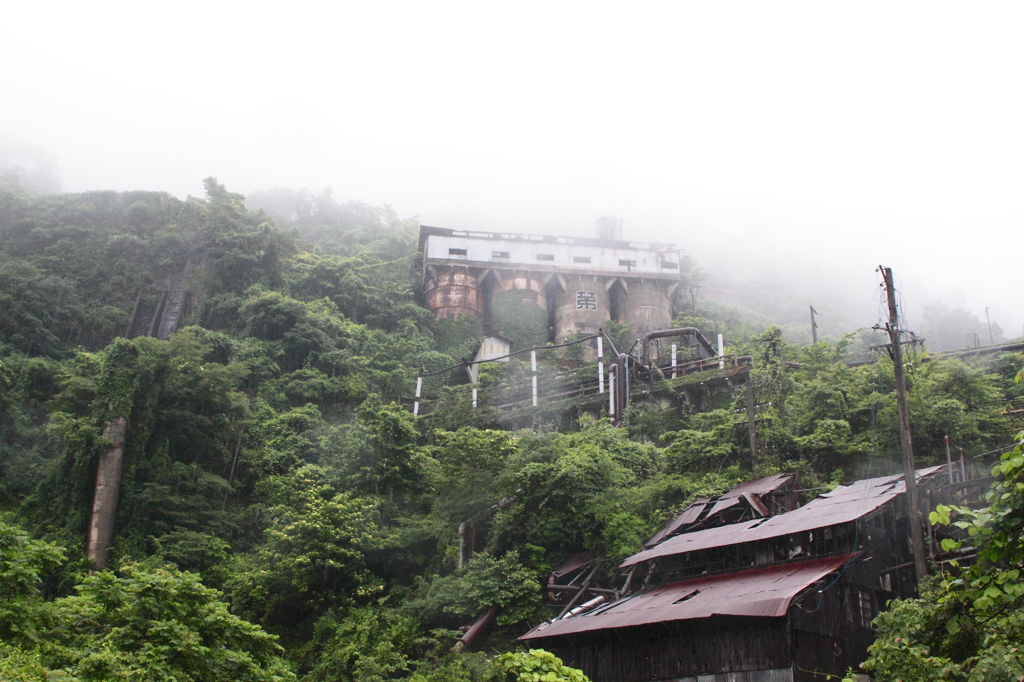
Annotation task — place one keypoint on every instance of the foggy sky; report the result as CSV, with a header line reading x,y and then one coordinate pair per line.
x,y
812,140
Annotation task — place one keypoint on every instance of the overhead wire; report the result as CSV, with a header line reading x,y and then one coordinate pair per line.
x,y
864,499
466,363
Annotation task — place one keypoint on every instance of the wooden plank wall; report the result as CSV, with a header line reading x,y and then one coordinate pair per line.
x,y
679,649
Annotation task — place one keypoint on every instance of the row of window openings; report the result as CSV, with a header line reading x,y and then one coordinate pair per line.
x,y
550,257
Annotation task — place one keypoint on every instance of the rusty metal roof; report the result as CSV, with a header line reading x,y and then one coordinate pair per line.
x,y
750,491
845,503
761,486
765,592
689,515
575,562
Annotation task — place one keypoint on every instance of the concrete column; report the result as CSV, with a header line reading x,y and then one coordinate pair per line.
x,y
108,485
454,292
519,311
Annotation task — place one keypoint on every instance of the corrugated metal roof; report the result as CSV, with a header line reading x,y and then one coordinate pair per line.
x,y
844,504
761,486
755,503
574,563
724,503
751,490
689,515
765,592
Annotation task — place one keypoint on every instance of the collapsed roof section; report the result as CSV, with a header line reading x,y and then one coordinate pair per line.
x,y
844,504
752,500
765,592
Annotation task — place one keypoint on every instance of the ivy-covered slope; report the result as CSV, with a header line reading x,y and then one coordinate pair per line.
x,y
271,453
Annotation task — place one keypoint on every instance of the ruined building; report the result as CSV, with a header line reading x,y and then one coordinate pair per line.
x,y
749,586
532,289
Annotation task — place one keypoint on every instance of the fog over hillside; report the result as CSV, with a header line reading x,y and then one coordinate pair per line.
x,y
789,148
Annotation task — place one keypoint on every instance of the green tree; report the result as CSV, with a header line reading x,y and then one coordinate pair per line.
x,y
24,563
535,665
312,557
486,581
969,623
156,624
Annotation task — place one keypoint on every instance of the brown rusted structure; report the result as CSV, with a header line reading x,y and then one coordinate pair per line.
x,y
749,586
453,293
579,283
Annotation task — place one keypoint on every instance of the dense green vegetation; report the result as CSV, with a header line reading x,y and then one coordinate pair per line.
x,y
281,510
968,625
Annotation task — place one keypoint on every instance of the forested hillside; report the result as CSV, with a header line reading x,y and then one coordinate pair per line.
x,y
281,512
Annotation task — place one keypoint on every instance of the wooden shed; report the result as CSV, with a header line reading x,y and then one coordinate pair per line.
x,y
764,598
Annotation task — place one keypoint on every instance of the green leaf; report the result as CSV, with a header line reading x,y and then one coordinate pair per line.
x,y
949,544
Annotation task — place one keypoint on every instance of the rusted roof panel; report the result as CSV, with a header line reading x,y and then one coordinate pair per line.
x,y
764,592
762,486
724,503
844,504
755,503
574,563
751,490
689,515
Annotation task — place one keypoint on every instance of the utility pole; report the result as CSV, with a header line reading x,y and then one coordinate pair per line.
x,y
991,339
748,391
814,326
906,447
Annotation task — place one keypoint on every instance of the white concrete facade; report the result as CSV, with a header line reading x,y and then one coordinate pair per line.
x,y
537,252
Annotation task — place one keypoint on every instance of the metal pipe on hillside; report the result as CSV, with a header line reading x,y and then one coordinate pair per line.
x,y
533,365
586,606
612,372
680,331
583,589
462,543
949,461
622,387
476,628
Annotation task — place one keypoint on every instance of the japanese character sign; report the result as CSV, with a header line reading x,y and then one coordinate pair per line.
x,y
586,300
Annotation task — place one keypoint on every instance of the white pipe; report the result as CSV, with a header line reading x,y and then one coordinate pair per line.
x,y
474,397
721,353
673,361
462,541
611,395
600,365
585,606
419,388
949,460
533,364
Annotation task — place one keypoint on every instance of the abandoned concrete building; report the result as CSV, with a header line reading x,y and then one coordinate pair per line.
x,y
532,289
745,587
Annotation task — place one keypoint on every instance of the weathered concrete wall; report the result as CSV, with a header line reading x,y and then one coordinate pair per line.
x,y
583,307
454,292
519,311
108,484
646,307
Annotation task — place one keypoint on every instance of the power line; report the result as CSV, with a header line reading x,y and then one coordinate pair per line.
x,y
518,352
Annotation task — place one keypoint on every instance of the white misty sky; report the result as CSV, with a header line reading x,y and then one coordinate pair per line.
x,y
813,139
